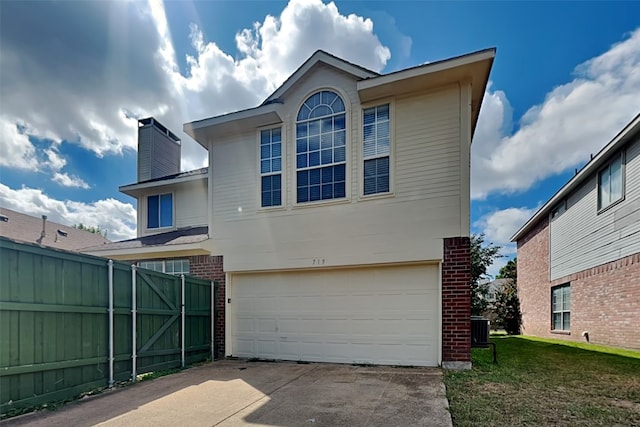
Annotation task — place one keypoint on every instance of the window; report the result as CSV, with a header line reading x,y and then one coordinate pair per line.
x,y
169,266
160,211
271,167
610,182
376,148
561,307
321,148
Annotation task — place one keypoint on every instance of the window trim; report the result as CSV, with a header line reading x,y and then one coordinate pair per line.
x,y
361,157
283,169
294,167
163,262
173,211
619,155
562,311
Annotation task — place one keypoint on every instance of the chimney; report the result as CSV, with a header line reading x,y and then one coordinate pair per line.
x,y
158,150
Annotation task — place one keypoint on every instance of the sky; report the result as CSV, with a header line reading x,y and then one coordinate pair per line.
x,y
76,76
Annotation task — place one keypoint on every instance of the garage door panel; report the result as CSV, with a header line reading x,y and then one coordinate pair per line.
x,y
378,315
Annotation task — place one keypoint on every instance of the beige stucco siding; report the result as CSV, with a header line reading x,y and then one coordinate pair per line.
x,y
189,206
407,225
582,238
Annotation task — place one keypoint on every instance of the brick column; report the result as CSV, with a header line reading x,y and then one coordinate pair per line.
x,y
211,268
456,303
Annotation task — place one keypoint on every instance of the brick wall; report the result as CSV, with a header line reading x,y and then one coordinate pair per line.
x,y
533,280
456,303
605,300
211,268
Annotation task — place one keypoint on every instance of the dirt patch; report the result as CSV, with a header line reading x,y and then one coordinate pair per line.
x,y
626,404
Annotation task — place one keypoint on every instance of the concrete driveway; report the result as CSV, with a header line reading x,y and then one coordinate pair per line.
x,y
241,393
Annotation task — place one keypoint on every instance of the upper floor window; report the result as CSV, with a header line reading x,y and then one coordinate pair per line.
x,y
271,167
611,182
169,266
376,143
321,155
160,211
561,307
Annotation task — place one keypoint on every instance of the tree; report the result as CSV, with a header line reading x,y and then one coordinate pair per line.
x,y
507,304
91,229
482,257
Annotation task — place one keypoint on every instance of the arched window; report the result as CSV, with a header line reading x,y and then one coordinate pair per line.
x,y
321,148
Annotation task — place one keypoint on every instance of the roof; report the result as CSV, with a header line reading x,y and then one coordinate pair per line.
x,y
132,189
177,237
474,67
623,137
326,58
26,228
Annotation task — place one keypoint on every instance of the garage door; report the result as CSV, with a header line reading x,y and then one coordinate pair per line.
x,y
386,315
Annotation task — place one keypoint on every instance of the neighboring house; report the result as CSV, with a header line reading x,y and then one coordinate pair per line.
x,y
340,206
30,229
579,255
494,287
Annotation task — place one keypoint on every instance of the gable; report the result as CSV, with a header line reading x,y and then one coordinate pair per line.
x,y
321,76
319,57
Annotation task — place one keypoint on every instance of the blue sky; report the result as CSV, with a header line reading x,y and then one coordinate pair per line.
x,y
74,76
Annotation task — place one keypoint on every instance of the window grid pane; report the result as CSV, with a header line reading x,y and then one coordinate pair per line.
x,y
610,183
271,167
153,207
561,307
376,145
160,211
321,148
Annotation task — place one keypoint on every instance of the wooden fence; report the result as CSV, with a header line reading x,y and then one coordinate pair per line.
x,y
71,323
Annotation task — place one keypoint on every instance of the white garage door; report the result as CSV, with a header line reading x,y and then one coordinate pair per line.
x,y
386,315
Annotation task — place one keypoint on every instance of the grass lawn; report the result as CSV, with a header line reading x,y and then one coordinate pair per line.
x,y
539,382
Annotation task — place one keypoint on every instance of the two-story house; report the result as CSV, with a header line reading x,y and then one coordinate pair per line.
x,y
579,255
340,208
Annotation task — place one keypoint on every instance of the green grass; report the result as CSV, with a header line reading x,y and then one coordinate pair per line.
x,y
539,382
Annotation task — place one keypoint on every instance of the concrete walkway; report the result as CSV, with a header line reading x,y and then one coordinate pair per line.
x,y
240,393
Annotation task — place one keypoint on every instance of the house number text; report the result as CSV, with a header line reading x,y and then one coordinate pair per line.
x,y
318,261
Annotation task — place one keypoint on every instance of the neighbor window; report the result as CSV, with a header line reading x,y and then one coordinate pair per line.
x,y
610,182
321,148
561,307
169,266
160,211
376,144
271,167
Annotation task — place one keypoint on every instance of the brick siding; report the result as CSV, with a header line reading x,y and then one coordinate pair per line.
x,y
533,280
456,301
605,300
211,268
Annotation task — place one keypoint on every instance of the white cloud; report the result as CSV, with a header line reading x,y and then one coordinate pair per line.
x,y
17,150
113,216
67,180
498,227
56,161
575,119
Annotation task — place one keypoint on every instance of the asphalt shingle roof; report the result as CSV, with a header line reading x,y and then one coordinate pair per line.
x,y
26,228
